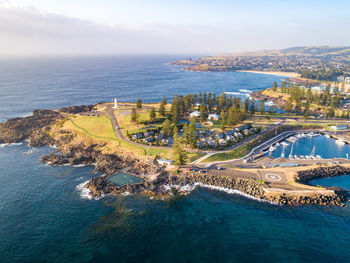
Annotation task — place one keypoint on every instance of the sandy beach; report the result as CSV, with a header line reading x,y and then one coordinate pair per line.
x,y
276,73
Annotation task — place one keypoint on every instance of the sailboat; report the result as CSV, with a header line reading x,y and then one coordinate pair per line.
x,y
313,151
291,152
282,154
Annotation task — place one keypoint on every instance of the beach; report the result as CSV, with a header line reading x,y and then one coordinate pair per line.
x,y
275,73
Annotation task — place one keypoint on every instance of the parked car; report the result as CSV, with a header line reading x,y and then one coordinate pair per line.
x,y
219,168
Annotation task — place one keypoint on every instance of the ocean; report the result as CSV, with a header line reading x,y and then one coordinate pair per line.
x,y
45,218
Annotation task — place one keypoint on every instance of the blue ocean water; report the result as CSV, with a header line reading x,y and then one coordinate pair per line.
x,y
325,147
43,217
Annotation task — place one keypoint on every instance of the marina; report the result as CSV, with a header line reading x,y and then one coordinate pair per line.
x,y
310,146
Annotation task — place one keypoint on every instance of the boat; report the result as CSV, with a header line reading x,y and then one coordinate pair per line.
x,y
292,139
302,157
340,142
327,136
296,157
318,157
271,149
277,144
307,157
285,144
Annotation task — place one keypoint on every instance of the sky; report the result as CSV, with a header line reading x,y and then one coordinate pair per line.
x,y
95,27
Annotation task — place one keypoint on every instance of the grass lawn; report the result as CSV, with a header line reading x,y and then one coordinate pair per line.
x,y
234,154
101,128
194,156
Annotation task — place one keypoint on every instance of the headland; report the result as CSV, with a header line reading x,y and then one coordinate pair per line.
x,y
176,147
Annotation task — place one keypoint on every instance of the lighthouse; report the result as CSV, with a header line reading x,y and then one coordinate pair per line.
x,y
115,103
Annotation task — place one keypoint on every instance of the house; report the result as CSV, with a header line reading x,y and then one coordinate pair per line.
x,y
339,127
148,140
214,117
164,162
246,132
148,134
137,136
222,142
318,88
219,136
195,114
160,136
347,79
201,144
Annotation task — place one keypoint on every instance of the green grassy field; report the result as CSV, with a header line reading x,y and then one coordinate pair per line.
x,y
239,152
101,128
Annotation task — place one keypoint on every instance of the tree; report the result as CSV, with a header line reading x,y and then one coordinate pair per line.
x,y
139,104
164,101
134,115
152,114
252,107
274,86
223,119
309,97
167,128
262,106
180,155
203,112
192,131
289,105
162,109
175,130
306,113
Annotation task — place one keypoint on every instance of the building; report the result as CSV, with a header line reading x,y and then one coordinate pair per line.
x,y
222,142
213,116
318,88
195,114
115,103
347,79
164,162
137,136
339,127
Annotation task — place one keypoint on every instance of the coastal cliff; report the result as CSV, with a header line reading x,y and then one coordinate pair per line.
x,y
46,127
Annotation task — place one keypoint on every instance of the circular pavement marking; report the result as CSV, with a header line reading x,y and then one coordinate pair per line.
x,y
273,177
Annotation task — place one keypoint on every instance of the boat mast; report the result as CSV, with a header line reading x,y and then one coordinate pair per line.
x,y
291,152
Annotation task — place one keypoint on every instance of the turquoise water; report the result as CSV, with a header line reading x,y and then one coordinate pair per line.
x,y
121,179
43,217
325,147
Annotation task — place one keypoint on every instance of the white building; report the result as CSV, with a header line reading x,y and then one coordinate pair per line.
x,y
347,79
195,114
214,117
164,162
115,103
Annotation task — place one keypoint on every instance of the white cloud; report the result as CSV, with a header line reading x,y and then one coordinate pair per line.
x,y
26,30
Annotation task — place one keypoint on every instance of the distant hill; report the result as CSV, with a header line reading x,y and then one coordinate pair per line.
x,y
318,63
327,52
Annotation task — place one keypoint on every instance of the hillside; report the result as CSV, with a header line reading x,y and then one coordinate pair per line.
x,y
319,63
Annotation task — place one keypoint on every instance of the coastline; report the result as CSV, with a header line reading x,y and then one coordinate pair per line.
x,y
275,73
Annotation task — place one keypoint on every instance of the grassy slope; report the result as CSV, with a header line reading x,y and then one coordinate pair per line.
x,y
101,128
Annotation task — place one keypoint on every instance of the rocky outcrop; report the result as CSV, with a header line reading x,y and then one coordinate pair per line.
x,y
247,186
320,172
77,109
36,125
337,199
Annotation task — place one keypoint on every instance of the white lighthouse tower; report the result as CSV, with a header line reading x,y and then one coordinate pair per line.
x,y
115,103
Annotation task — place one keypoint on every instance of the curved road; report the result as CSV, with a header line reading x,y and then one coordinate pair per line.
x,y
110,111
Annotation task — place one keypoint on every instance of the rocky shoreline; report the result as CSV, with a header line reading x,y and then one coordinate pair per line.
x,y
36,129
169,184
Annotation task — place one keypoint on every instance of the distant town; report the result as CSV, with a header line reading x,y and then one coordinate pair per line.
x,y
318,63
